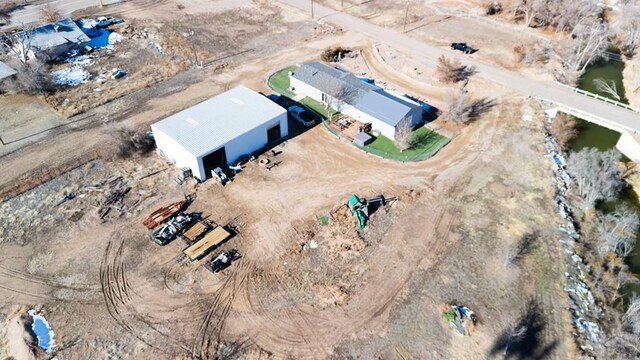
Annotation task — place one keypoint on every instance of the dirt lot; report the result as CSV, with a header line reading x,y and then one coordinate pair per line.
x,y
110,293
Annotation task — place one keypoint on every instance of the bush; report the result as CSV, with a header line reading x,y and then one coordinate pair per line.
x,y
50,14
334,54
131,141
452,71
492,8
31,78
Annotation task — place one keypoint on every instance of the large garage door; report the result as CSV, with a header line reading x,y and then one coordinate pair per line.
x,y
273,134
216,159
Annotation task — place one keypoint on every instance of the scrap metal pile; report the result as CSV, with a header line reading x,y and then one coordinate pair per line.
x,y
584,310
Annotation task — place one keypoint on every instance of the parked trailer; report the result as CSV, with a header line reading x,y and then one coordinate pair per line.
x,y
212,239
196,231
159,215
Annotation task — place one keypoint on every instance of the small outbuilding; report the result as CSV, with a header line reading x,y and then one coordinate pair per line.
x,y
219,131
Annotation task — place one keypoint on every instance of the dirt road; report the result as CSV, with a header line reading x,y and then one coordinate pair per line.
x,y
506,78
33,13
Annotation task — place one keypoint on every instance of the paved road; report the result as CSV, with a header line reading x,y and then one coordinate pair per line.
x,y
624,118
31,13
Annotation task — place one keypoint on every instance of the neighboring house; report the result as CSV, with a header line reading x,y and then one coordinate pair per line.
x,y
386,111
219,131
5,71
49,41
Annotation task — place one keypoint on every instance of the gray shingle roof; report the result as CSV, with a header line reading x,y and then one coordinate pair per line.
x,y
212,123
5,71
367,98
331,81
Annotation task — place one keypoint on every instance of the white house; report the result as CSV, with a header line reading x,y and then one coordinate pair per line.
x,y
218,131
387,111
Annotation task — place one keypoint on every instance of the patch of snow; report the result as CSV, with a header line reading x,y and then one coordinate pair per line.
x,y
43,331
156,47
115,38
81,59
71,76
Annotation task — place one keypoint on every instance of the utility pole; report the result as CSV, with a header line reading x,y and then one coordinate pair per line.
x,y
192,35
406,14
342,4
101,3
312,9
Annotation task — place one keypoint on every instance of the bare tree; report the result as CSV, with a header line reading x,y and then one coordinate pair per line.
x,y
492,7
459,106
404,138
627,29
451,71
532,53
19,44
50,14
337,98
529,10
31,78
598,175
520,248
607,87
587,44
631,317
566,16
564,128
514,334
129,141
618,231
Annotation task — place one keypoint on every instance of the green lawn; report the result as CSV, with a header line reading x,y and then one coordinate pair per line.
x,y
427,143
318,107
279,81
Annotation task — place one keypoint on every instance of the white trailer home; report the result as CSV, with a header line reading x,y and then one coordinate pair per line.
x,y
218,131
387,111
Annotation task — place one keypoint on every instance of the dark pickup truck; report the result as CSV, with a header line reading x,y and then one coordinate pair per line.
x,y
463,47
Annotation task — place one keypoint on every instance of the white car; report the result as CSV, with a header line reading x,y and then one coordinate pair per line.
x,y
104,21
302,116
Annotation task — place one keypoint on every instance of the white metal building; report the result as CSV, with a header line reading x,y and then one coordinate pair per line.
x,y
218,131
365,102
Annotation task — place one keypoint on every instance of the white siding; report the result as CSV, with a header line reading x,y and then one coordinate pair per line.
x,y
175,153
247,143
306,89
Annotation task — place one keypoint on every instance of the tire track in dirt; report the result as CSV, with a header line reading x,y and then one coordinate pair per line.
x,y
115,289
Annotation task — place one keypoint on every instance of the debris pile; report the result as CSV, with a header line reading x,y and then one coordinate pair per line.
x,y
460,318
584,310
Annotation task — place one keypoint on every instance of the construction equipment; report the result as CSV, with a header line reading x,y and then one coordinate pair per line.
x,y
219,175
167,232
360,207
159,215
222,261
212,239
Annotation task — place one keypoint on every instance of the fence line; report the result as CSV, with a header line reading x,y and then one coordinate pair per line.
x,y
599,97
383,154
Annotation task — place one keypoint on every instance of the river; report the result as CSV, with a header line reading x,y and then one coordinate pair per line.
x,y
591,135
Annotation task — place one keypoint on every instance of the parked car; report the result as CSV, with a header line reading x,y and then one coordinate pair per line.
x,y
302,116
463,47
104,21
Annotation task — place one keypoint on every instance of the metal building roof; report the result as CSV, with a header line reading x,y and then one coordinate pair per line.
x,y
368,98
5,71
54,34
212,123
